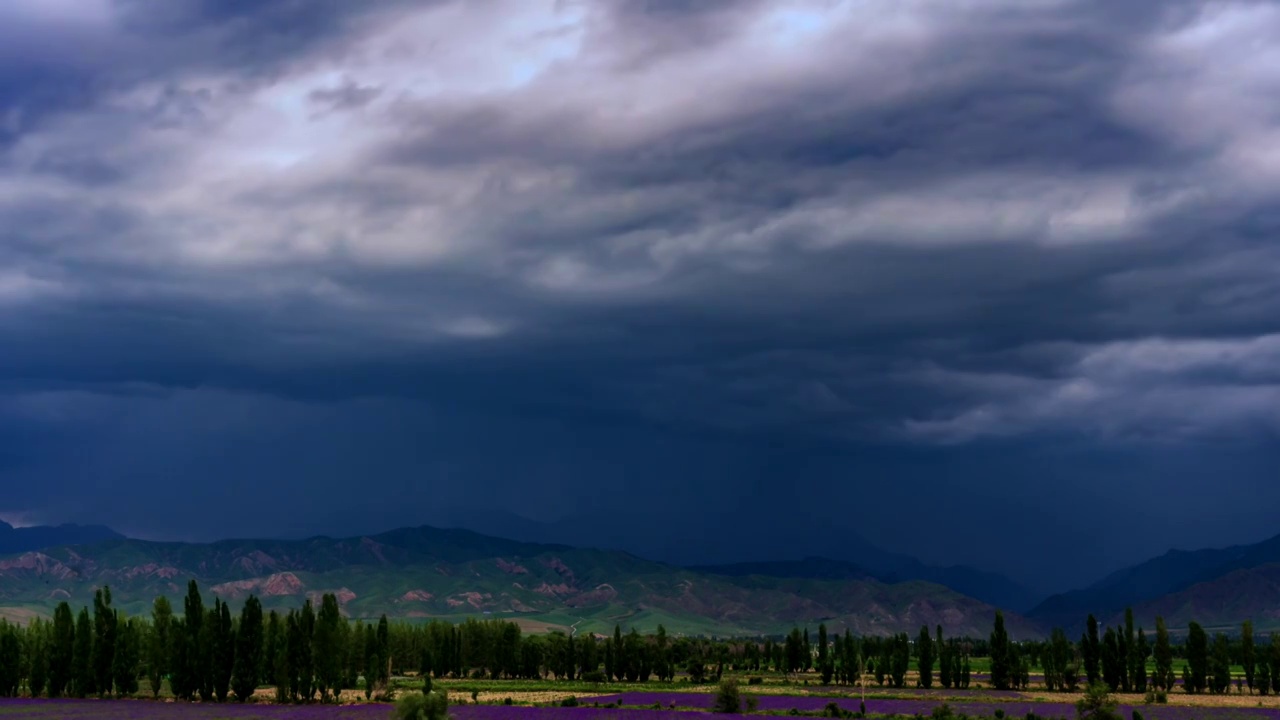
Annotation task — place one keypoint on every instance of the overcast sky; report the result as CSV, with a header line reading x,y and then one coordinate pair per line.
x,y
994,281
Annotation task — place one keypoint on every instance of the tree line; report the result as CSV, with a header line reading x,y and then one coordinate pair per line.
x,y
309,653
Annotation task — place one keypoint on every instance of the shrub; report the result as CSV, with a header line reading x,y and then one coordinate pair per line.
x,y
832,710
1162,697
999,713
1137,715
594,676
432,706
570,701
942,712
728,699
755,680
1149,698
507,701
1097,704
752,704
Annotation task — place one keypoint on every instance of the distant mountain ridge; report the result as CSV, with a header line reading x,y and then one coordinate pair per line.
x,y
430,572
16,540
845,547
1193,576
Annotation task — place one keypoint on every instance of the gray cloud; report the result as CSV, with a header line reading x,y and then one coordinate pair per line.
x,y
885,224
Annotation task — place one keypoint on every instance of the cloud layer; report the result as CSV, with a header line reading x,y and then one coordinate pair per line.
x,y
874,223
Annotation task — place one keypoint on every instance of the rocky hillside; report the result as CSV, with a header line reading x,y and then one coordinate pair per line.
x,y
1221,603
429,572
1162,581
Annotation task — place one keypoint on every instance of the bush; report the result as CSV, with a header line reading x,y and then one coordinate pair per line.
x,y
832,710
1137,715
594,676
942,712
507,701
1149,698
999,713
570,701
728,699
432,706
1097,704
755,681
752,704
1162,697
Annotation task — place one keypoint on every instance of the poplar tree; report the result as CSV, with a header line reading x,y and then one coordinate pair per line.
x,y
195,667
1138,664
1220,664
11,670
1273,651
127,655
384,651
1163,656
924,654
158,643
328,654
82,657
822,644
1126,643
249,650
1196,672
1091,649
39,639
1000,670
371,670
104,639
222,650
61,650
1247,653
944,661
1112,660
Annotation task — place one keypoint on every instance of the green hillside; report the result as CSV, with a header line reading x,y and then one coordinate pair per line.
x,y
428,572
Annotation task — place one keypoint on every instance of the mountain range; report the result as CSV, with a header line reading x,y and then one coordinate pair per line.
x,y
841,546
430,572
17,540
1216,587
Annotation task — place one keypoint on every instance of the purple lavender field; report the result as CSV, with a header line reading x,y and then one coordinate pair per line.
x,y
1012,708
694,707
146,710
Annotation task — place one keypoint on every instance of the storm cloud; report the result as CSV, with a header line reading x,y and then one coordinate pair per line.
x,y
1003,262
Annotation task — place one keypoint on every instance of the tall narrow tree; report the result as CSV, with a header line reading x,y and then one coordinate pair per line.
x,y
104,640
195,670
944,660
924,657
61,650
1197,668
249,650
158,644
1246,653
82,676
328,655
1163,656
1091,649
1001,678
127,655
1138,663
1220,664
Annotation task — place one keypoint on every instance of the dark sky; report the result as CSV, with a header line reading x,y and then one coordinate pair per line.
x,y
993,282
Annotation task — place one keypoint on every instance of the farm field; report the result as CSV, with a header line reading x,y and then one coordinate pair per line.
x,y
669,705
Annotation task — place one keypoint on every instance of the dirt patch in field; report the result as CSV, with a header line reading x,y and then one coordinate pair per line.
x,y
532,696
